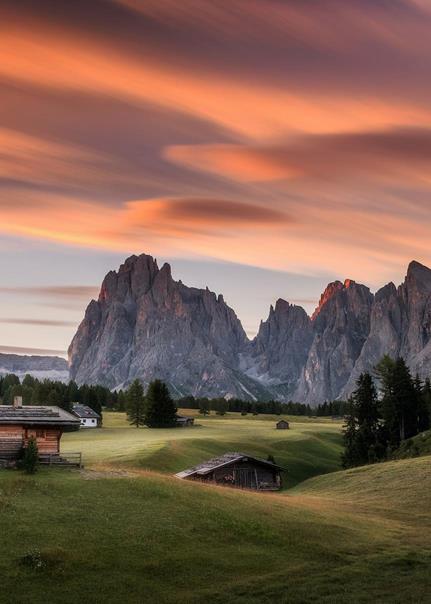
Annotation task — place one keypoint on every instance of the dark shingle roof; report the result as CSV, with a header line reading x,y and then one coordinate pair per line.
x,y
217,462
31,415
83,411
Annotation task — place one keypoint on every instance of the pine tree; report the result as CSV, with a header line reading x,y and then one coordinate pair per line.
x,y
161,410
406,398
135,404
204,406
350,456
424,407
361,434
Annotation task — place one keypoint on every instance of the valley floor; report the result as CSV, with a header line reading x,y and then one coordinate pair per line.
x,y
117,532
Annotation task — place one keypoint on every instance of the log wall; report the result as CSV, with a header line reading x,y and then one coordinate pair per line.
x,y
13,438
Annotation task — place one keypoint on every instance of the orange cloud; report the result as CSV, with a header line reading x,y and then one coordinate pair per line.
x,y
127,227
394,155
242,163
319,228
53,57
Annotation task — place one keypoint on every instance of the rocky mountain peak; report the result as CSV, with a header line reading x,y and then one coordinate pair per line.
x,y
418,276
330,291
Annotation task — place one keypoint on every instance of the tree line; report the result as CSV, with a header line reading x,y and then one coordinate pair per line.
x,y
49,392
236,405
379,420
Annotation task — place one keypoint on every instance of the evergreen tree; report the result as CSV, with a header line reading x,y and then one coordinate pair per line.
x,y
135,404
361,434
424,407
161,410
204,406
350,457
121,401
385,371
406,398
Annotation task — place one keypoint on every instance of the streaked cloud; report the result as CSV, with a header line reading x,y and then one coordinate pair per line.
x,y
291,136
31,351
401,154
39,322
63,296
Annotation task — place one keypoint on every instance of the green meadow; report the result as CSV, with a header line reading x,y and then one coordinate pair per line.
x,y
309,448
125,530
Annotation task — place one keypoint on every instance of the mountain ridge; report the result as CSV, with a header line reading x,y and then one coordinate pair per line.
x,y
145,324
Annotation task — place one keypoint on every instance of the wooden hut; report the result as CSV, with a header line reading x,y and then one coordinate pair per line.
x,y
46,424
283,424
237,470
184,421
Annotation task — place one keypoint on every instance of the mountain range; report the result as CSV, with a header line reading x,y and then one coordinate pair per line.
x,y
41,367
147,325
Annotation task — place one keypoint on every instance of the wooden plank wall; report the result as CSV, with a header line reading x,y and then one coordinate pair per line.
x,y
12,438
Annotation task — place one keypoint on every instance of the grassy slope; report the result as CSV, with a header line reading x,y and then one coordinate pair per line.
x,y
357,536
309,448
416,446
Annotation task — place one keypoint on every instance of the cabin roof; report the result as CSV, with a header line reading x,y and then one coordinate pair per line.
x,y
282,421
223,460
31,415
84,411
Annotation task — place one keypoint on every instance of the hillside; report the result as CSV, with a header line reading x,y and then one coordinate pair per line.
x,y
358,536
415,447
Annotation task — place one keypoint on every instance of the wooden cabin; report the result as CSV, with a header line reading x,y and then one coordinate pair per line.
x,y
46,424
184,421
283,424
87,416
237,470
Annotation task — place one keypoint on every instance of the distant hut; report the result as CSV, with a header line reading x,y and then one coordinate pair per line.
x,y
87,416
237,470
184,422
283,424
19,424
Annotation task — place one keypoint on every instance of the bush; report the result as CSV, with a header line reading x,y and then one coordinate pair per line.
x,y
31,457
36,559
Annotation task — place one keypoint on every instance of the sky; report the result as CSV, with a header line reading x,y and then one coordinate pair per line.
x,y
262,147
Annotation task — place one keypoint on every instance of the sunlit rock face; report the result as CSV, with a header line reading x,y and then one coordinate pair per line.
x,y
146,325
341,325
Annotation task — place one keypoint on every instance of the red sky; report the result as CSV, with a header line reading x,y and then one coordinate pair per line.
x,y
292,137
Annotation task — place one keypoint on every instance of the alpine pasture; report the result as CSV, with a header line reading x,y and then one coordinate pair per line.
x,y
125,530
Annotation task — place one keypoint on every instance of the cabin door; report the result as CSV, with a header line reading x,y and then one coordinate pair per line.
x,y
244,478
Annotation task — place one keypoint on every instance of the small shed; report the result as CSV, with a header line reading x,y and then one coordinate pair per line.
x,y
184,421
87,416
237,470
282,424
46,424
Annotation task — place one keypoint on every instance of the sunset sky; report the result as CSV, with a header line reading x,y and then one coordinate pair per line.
x,y
263,147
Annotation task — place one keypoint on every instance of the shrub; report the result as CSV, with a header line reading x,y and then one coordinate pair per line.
x,y
45,559
31,457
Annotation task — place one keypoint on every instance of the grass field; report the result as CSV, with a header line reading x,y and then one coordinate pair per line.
x,y
309,448
117,532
